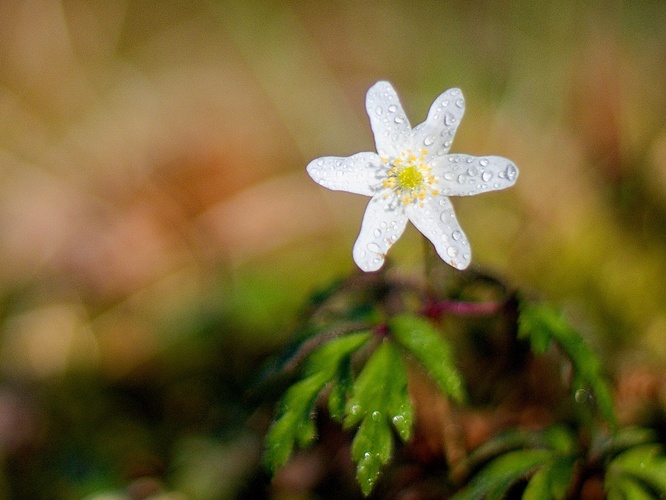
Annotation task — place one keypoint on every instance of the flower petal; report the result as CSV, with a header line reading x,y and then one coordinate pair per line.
x,y
465,175
436,133
381,228
388,120
437,221
354,174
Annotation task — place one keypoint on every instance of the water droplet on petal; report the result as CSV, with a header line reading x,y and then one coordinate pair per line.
x,y
483,162
460,103
392,108
429,140
398,119
379,110
511,172
456,235
473,171
373,247
486,176
461,179
398,420
376,416
449,119
452,251
377,233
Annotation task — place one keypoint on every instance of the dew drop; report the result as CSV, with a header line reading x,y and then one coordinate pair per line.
x,y
449,119
461,179
581,396
377,233
473,171
320,162
379,110
429,140
373,247
392,108
460,103
448,176
355,409
486,176
452,251
398,420
376,416
511,172
456,235
483,162
398,119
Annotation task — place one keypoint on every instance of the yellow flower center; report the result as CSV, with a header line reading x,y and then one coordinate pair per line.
x,y
409,177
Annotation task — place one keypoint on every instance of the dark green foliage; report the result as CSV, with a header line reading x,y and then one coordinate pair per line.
x,y
367,386
543,325
544,459
294,424
378,399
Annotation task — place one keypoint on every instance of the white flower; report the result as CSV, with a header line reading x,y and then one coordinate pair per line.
x,y
412,177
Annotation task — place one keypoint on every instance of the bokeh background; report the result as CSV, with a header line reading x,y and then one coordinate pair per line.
x,y
158,230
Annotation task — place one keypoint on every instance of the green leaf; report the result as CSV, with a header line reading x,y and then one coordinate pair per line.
x,y
551,481
341,388
497,477
294,425
628,489
541,324
379,396
426,343
626,438
371,449
645,464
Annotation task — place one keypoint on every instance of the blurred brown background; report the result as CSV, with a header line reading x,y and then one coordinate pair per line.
x,y
158,229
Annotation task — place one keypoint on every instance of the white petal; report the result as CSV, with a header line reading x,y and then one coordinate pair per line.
x,y
388,120
465,175
381,228
437,221
436,133
354,174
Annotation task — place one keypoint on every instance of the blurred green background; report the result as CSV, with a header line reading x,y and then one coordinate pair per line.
x,y
158,230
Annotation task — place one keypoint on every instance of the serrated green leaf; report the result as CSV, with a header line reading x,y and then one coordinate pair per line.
x,y
380,386
294,425
644,463
551,481
379,396
425,343
341,388
539,322
371,449
497,477
327,358
529,328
